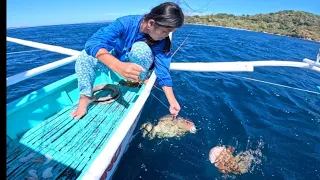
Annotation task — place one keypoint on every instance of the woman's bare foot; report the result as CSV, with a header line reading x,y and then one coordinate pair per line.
x,y
82,107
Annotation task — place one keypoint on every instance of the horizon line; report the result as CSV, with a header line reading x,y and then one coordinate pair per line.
x,y
88,22
100,21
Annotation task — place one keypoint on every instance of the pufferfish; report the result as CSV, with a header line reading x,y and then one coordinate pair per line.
x,y
226,163
168,127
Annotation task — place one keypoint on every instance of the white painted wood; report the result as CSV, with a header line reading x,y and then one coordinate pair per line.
x,y
47,47
312,63
212,67
237,66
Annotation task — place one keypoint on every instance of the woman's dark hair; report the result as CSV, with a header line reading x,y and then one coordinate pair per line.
x,y
167,15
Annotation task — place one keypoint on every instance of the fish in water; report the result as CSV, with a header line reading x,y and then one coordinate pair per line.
x,y
168,127
226,163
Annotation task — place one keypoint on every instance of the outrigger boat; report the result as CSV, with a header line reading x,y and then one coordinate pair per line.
x,y
43,141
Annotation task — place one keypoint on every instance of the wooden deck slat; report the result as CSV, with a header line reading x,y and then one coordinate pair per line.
x,y
100,117
101,136
23,170
66,119
15,146
102,132
46,148
38,143
72,143
57,141
48,122
16,149
101,129
70,171
61,121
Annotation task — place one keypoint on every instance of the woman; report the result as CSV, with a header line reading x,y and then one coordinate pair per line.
x,y
130,46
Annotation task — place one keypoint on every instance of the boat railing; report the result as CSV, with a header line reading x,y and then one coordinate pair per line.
x,y
47,67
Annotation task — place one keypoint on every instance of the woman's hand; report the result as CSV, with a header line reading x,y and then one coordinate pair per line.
x,y
174,105
174,108
129,71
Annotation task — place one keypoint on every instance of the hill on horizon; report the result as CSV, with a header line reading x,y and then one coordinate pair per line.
x,y
292,23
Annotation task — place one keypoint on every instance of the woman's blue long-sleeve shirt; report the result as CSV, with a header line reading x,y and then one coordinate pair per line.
x,y
120,35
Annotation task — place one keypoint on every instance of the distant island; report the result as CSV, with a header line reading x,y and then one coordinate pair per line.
x,y
291,23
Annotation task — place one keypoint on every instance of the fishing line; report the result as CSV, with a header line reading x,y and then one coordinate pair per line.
x,y
159,100
180,45
181,110
280,85
205,7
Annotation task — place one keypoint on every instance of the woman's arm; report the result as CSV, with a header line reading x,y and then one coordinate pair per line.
x,y
103,41
174,105
130,71
104,38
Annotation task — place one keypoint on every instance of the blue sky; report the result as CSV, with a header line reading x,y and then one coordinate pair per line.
x,y
49,12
